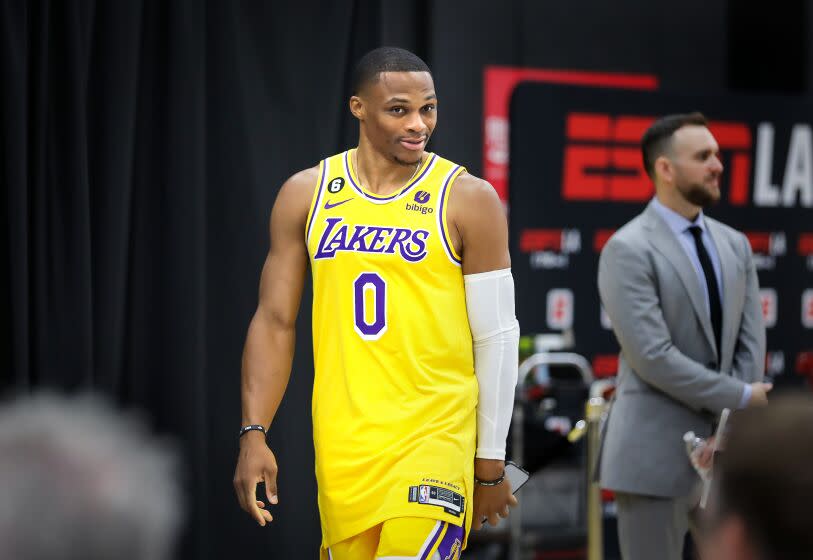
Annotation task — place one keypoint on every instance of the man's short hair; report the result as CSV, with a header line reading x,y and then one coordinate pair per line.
x,y
385,59
658,137
765,476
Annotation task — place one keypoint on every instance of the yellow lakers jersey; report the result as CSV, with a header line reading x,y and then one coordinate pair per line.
x,y
394,393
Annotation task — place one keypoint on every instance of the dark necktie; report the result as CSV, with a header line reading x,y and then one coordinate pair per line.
x,y
711,286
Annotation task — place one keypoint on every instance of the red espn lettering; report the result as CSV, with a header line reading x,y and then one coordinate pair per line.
x,y
602,160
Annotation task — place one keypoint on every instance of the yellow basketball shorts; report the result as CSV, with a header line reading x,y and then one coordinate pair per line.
x,y
402,538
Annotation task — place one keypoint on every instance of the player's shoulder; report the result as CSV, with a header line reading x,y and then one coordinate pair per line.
x,y
473,189
300,186
305,179
295,196
474,204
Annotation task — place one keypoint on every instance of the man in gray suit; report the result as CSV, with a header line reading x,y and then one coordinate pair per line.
x,y
681,292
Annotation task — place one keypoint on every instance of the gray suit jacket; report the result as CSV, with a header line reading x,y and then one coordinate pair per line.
x,y
670,378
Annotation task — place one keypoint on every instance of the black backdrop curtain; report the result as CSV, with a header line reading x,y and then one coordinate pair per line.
x,y
143,145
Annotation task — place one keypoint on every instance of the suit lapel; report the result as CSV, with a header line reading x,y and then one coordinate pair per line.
x,y
729,273
665,242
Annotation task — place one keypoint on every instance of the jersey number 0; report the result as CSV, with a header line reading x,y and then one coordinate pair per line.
x,y
370,282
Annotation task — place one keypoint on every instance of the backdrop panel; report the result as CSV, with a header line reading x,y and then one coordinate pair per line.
x,y
576,176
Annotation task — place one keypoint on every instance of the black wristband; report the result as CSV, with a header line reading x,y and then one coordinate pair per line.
x,y
250,428
495,482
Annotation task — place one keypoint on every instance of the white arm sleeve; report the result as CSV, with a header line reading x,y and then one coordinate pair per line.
x,y
495,334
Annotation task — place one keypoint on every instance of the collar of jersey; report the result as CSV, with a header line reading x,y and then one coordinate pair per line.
x,y
378,199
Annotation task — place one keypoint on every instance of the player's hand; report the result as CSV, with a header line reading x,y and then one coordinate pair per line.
x,y
491,502
256,463
759,393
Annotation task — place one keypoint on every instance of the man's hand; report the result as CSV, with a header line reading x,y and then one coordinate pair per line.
x,y
491,502
255,464
759,393
705,455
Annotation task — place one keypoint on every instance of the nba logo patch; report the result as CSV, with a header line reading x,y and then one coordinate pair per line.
x,y
424,495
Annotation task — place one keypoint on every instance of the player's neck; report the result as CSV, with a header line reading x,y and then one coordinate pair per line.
x,y
378,174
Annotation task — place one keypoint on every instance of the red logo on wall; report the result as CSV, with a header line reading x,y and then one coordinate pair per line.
x,y
602,160
560,309
805,245
605,365
769,306
804,363
807,309
558,240
774,243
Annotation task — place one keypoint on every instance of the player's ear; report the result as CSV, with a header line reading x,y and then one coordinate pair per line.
x,y
357,107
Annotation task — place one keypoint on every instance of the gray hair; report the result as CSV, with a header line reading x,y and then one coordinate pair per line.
x,y
79,480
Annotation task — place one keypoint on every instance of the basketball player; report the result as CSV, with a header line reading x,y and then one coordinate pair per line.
x,y
414,332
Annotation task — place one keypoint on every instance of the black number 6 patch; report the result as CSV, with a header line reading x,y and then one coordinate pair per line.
x,y
335,185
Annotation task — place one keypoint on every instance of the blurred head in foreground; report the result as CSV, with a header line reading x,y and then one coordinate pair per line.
x,y
764,503
80,481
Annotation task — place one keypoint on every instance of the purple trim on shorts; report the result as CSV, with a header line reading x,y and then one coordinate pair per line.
x,y
318,198
386,198
449,252
432,541
453,533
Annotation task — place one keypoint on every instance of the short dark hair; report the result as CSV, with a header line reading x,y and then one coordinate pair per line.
x,y
658,137
765,475
385,59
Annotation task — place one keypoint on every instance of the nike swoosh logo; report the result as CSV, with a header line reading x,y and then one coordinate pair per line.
x,y
328,205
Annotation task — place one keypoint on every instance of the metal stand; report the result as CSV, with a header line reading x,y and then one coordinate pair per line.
x,y
595,541
582,366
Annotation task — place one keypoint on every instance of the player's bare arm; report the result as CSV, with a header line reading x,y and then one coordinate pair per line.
x,y
480,235
269,347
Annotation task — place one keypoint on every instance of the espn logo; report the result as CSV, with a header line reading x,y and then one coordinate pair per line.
x,y
550,248
602,160
566,241
774,244
769,306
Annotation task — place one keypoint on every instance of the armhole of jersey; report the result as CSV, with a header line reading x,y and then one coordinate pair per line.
x,y
443,225
317,196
